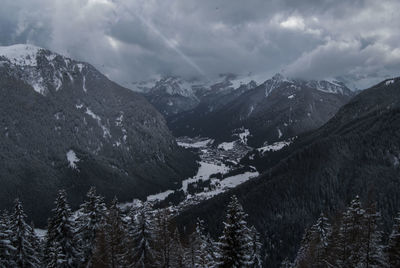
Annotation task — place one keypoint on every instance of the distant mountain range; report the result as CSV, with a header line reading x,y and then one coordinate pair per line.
x,y
63,124
356,152
274,110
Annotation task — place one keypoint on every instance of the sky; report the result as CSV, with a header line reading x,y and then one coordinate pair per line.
x,y
356,41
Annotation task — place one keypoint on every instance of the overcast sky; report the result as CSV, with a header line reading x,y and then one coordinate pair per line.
x,y
132,40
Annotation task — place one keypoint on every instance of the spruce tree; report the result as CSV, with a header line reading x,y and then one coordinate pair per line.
x,y
192,250
141,245
91,215
255,249
101,253
234,243
204,247
6,247
178,252
22,239
303,258
313,250
163,237
350,241
61,247
115,234
320,234
373,250
393,248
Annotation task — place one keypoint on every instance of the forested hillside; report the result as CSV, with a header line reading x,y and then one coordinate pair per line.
x,y
135,236
355,153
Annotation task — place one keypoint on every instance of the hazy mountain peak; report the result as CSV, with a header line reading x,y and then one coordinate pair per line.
x,y
42,69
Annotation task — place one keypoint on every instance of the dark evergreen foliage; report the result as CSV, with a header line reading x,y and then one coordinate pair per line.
x,y
61,248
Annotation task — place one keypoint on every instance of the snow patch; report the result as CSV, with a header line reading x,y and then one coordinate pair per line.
x,y
274,147
199,144
279,133
84,84
106,131
229,183
72,159
41,233
227,146
250,110
243,136
205,171
159,196
389,82
291,96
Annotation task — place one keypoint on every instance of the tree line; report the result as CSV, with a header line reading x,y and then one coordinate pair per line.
x,y
353,238
106,236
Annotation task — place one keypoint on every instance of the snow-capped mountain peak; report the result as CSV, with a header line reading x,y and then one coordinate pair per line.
x,y
42,69
20,54
275,82
174,86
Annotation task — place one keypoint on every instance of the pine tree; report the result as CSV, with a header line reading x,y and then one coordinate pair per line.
x,y
163,237
91,215
55,258
234,243
141,245
6,248
115,234
313,250
192,250
303,258
320,234
393,248
255,249
350,241
372,255
204,247
101,253
22,237
178,252
61,246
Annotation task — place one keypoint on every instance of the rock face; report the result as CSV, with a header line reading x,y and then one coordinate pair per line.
x,y
65,125
277,109
356,152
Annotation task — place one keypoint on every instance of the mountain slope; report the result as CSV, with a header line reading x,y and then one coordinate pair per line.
x,y
173,95
356,153
65,125
275,110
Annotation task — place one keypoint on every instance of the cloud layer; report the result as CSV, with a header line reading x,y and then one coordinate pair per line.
x,y
134,40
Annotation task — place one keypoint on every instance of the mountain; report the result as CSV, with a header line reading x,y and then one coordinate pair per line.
x,y
65,125
174,95
356,152
277,109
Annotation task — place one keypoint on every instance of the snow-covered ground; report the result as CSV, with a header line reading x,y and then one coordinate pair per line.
x,y
275,146
227,145
198,144
72,159
229,183
41,233
204,173
214,160
159,196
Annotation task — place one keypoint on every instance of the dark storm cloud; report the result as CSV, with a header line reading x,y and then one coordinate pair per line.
x,y
133,40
